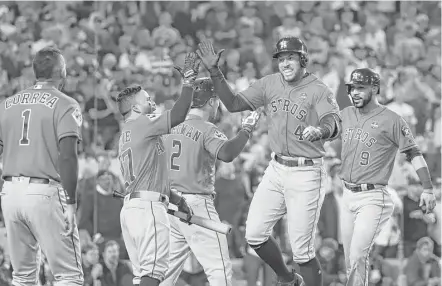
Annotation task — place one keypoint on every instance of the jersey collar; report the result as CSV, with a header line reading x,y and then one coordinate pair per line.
x,y
43,85
193,116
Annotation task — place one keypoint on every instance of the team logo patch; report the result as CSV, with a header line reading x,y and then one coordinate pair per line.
x,y
76,114
218,134
332,100
405,131
283,45
374,125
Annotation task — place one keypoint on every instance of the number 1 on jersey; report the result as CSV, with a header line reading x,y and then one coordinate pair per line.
x,y
26,115
127,167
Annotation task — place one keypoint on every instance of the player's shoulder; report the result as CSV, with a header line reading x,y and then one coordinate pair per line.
x,y
318,84
391,115
271,80
64,100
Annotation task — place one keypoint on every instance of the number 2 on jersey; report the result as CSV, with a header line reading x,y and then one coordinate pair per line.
x,y
26,115
176,154
365,158
127,168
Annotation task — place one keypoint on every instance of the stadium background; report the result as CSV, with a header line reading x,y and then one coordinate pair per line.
x,y
109,45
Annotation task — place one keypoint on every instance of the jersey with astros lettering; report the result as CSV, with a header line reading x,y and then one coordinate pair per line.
x,y
32,123
290,109
192,148
141,153
370,143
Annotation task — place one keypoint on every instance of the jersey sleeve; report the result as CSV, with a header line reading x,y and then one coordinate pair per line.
x,y
402,135
157,124
326,104
69,122
214,139
254,95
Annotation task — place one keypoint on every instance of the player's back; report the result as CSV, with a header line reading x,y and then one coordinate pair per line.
x,y
192,148
32,122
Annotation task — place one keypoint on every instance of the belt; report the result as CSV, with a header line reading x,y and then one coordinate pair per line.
x,y
362,187
31,180
294,162
149,196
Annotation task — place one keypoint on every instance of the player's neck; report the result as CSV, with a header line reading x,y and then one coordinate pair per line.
x,y
200,113
48,82
372,105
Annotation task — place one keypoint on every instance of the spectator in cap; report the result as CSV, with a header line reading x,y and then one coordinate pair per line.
x,y
423,268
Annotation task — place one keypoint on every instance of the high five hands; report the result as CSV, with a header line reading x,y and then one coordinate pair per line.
x,y
207,54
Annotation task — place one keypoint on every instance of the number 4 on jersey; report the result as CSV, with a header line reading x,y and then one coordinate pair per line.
x,y
298,132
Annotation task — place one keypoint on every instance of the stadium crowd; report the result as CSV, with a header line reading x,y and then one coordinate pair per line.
x,y
109,45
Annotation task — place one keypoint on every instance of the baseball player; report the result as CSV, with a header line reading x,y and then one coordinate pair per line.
x,y
144,220
40,128
371,137
302,114
193,148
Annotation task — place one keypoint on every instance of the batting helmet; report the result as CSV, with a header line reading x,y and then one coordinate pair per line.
x,y
364,76
203,91
292,44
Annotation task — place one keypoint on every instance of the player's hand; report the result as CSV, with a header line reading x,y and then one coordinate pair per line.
x,y
70,219
207,54
249,123
427,201
191,68
184,207
312,133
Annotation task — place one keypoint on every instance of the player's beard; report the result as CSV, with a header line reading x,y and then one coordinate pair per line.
x,y
365,101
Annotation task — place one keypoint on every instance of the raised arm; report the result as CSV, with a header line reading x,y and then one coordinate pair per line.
x,y
182,105
210,60
233,147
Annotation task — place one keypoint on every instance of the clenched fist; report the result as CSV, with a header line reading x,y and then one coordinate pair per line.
x,y
249,123
190,70
311,133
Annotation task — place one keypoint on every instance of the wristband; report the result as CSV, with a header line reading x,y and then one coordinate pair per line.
x,y
428,190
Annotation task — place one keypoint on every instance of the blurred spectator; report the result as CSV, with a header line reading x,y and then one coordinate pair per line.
x,y
5,269
115,271
435,230
99,212
332,262
415,220
423,268
386,244
92,270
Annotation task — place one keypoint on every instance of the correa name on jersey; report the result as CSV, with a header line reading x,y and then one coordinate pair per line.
x,y
43,98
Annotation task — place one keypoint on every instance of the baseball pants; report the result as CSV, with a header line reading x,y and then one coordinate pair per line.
x,y
297,191
145,228
210,248
34,221
364,214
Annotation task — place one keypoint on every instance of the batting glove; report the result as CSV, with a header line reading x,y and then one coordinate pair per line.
x,y
190,70
311,133
249,123
184,207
